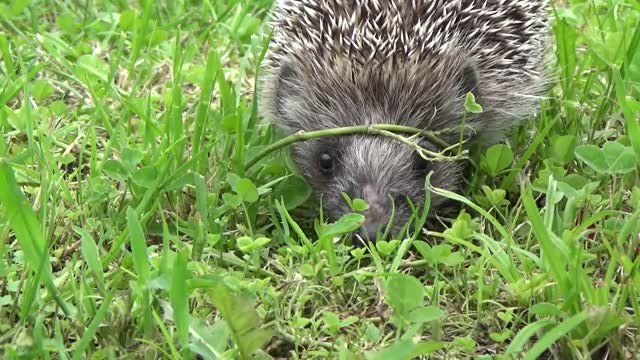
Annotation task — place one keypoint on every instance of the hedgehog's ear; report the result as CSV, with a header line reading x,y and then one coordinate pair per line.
x,y
468,79
289,88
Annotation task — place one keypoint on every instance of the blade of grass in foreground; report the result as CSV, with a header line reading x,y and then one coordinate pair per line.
x,y
520,340
208,83
179,297
93,326
554,334
552,257
141,265
633,127
91,254
26,227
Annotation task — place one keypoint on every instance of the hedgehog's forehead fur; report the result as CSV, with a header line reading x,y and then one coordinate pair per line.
x,y
336,63
406,59
503,32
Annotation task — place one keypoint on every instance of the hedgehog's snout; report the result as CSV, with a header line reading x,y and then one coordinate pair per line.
x,y
376,215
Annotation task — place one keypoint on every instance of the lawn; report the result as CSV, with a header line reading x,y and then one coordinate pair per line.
x,y
132,226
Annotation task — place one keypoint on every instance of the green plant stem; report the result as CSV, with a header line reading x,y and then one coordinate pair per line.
x,y
376,129
304,341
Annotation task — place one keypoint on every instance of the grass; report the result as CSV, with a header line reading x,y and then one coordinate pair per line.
x,y
130,226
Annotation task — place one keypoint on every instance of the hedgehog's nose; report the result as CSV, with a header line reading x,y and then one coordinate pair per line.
x,y
376,216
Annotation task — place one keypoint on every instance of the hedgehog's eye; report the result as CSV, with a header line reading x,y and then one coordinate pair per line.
x,y
326,163
420,165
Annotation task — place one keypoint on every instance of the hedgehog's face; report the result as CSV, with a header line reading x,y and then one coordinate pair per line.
x,y
382,171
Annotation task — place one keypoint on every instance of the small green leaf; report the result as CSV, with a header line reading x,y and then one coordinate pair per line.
x,y
404,293
498,158
241,315
92,68
544,309
463,227
372,333
130,158
58,108
209,341
359,205
405,349
593,157
67,23
467,344
505,316
232,200
248,26
213,239
145,177
620,159
426,314
18,6
439,252
501,336
245,244
562,148
157,37
471,105
294,190
634,199
15,119
127,19
452,260
496,197
387,248
41,89
261,242
307,270
358,253
115,169
346,224
612,158
232,179
349,321
331,320
247,190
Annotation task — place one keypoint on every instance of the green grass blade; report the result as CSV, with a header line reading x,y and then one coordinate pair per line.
x,y
510,270
5,54
631,120
140,35
521,339
208,84
552,258
179,297
141,265
91,254
138,245
548,339
241,317
91,330
27,229
167,336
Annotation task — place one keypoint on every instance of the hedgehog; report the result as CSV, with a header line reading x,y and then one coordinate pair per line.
x,y
337,63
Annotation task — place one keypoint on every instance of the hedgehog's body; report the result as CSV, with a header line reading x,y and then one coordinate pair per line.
x,y
338,63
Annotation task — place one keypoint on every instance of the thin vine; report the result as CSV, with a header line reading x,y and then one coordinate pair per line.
x,y
387,130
